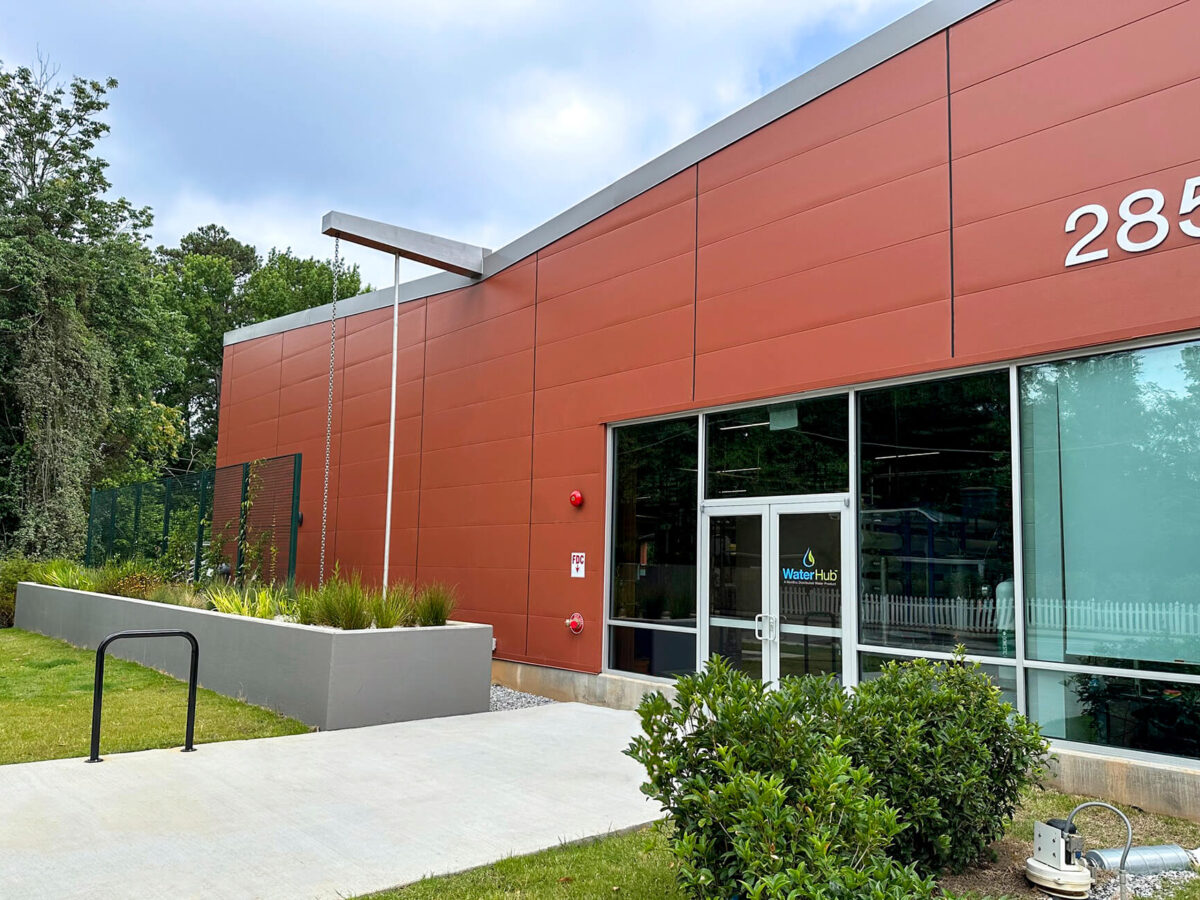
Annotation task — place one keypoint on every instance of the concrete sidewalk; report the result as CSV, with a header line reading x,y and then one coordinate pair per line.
x,y
330,814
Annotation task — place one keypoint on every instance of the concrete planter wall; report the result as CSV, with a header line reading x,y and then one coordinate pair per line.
x,y
322,676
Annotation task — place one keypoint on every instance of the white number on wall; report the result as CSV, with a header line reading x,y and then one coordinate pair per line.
x,y
1190,201
1077,256
1145,216
1130,220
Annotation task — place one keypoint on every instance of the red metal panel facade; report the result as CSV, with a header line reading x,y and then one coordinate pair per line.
x,y
911,220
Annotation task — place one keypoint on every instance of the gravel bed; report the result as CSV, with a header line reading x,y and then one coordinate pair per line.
x,y
506,698
1142,885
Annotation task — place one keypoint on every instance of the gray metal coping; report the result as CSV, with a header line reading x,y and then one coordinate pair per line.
x,y
892,40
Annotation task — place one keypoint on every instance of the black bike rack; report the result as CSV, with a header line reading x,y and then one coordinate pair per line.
x,y
98,690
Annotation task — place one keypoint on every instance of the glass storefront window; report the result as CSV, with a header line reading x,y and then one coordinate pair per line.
x,y
1135,713
935,532
800,447
654,522
652,651
1004,677
1110,468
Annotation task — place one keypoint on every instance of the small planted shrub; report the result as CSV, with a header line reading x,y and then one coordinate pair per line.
x,y
13,569
129,578
174,593
948,753
397,608
341,602
435,604
65,573
766,801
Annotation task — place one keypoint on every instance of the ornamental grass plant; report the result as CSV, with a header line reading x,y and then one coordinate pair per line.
x,y
342,601
435,604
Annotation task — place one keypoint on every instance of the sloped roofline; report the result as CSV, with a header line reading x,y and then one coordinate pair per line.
x,y
906,32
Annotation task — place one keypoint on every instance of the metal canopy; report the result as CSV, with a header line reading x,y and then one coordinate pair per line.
x,y
443,253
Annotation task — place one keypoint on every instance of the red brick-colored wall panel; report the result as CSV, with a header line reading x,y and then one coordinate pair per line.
x,y
571,451
1086,122
1153,293
492,379
504,336
497,503
615,335
909,274
1146,135
551,498
1013,33
487,302
911,207
478,392
360,550
619,348
1022,246
905,82
498,547
259,355
915,339
643,242
626,297
676,189
552,543
492,420
874,156
556,646
495,590
611,398
488,462
1150,54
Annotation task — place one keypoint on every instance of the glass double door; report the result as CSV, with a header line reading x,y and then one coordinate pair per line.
x,y
776,587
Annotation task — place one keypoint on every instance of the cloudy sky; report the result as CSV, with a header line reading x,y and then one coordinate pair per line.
x,y
476,120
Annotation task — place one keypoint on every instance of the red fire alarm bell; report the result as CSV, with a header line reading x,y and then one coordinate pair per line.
x,y
576,498
575,623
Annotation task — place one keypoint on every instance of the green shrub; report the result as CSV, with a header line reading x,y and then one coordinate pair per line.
x,y
254,601
65,573
765,800
13,569
947,752
135,578
435,604
341,602
175,593
397,608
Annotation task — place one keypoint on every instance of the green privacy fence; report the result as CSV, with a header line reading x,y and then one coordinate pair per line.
x,y
243,516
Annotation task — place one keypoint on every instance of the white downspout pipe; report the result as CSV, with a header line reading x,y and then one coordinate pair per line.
x,y
387,516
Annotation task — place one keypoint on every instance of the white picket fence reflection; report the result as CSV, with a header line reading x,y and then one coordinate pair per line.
x,y
976,615
1081,618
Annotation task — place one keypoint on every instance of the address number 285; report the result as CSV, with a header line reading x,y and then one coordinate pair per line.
x,y
1150,203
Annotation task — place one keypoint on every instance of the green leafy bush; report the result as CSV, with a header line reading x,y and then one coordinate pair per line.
x,y
135,578
13,569
946,751
65,573
435,604
176,593
396,608
765,800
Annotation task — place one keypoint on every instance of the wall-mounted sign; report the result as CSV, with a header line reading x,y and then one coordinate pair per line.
x,y
1150,203
578,564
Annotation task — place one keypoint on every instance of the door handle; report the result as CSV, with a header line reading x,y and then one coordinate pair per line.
x,y
759,621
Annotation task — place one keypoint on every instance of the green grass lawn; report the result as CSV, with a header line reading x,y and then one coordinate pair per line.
x,y
638,865
635,866
46,704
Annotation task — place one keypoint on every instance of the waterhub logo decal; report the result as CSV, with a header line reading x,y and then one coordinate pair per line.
x,y
809,573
